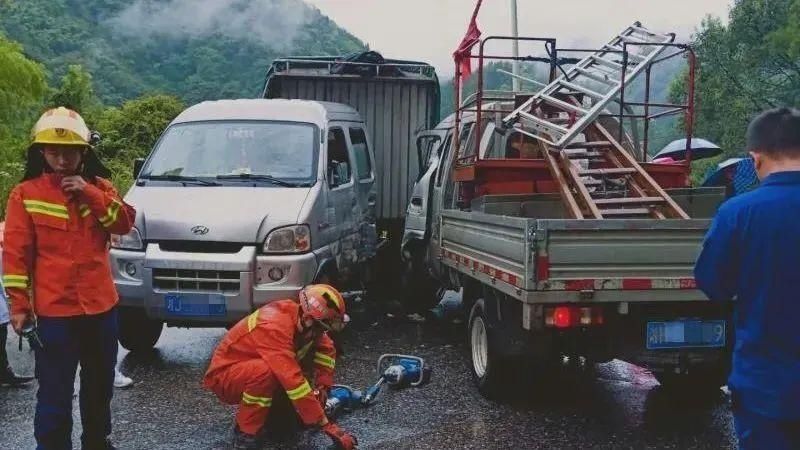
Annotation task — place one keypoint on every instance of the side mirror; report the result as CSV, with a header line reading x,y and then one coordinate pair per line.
x,y
138,163
421,153
333,174
426,143
343,172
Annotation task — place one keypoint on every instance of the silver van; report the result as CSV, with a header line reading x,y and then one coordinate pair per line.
x,y
242,202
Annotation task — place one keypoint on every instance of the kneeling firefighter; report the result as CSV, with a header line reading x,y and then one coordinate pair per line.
x,y
265,352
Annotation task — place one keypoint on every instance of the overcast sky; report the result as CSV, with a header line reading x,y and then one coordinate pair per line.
x,y
429,30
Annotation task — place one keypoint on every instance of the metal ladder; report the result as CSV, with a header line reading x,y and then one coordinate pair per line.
x,y
613,185
598,78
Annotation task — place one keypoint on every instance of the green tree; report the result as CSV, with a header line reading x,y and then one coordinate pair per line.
x,y
22,85
750,64
77,92
130,131
22,89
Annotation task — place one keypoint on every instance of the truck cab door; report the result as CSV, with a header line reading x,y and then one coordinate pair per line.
x,y
429,147
343,208
366,191
443,196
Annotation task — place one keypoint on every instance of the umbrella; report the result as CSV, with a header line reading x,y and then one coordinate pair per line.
x,y
743,175
701,149
716,176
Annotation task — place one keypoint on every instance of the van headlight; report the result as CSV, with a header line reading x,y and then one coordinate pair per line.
x,y
130,241
292,239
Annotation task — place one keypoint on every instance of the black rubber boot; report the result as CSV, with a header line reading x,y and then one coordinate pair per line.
x,y
244,441
101,444
7,376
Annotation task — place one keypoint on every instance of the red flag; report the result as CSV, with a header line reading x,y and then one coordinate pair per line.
x,y
464,51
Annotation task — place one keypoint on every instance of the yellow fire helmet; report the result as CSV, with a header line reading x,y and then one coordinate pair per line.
x,y
61,126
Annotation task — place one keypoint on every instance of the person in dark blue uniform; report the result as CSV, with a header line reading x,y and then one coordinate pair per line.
x,y
752,255
7,376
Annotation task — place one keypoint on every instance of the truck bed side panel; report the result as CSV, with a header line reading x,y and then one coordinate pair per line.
x,y
606,254
551,260
497,243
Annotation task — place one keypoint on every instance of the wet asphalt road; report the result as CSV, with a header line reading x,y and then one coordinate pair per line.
x,y
621,407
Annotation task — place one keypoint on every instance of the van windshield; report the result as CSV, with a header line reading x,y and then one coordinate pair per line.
x,y
279,153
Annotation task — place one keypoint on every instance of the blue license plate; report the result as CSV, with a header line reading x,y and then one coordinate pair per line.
x,y
195,304
685,334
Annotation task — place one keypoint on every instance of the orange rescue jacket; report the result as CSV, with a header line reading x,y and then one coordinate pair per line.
x,y
55,247
270,333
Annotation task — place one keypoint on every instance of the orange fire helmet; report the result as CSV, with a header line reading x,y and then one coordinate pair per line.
x,y
325,305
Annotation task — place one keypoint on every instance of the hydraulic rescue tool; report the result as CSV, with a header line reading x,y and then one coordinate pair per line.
x,y
402,371
396,371
342,398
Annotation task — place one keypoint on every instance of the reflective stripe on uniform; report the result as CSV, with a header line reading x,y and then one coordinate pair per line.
x,y
45,208
304,350
84,210
264,402
111,215
324,360
300,391
15,281
252,321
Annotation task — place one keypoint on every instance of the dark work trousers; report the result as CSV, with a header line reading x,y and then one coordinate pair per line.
x,y
92,341
3,338
756,432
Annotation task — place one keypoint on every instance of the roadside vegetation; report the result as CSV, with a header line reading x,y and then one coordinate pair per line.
x,y
64,52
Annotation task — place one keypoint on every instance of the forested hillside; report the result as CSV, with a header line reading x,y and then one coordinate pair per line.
x,y
129,67
195,49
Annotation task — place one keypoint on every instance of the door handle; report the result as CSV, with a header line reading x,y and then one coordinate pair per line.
x,y
323,225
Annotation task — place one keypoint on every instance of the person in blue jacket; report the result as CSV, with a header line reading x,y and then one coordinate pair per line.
x,y
7,376
751,255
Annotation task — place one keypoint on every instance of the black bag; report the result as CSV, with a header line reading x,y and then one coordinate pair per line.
x,y
369,60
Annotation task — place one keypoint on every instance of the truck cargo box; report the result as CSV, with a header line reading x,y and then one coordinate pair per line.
x,y
397,99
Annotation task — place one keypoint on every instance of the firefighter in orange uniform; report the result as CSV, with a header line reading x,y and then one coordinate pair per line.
x,y
57,276
264,353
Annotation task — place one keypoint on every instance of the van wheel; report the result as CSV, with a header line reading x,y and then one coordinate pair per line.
x,y
487,365
137,332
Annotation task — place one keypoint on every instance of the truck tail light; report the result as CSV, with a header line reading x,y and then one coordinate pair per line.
x,y
562,317
573,316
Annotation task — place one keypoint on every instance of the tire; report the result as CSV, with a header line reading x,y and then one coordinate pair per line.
x,y
137,332
486,364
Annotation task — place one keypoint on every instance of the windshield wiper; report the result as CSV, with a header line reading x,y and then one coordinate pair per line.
x,y
181,179
260,177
